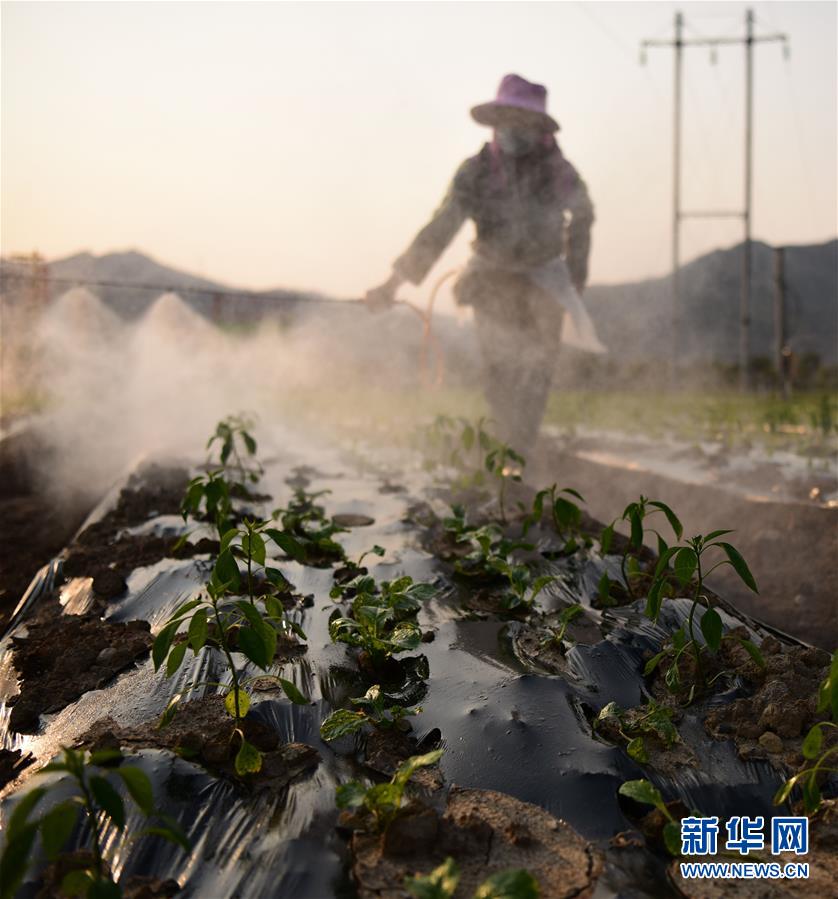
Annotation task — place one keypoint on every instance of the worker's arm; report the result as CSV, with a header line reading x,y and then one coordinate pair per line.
x,y
578,249
428,245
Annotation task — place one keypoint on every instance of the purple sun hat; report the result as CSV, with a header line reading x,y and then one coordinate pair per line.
x,y
519,102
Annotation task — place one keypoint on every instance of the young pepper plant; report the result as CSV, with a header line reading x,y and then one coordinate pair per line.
x,y
373,712
823,760
566,616
231,624
504,464
635,724
688,568
212,492
306,522
647,794
95,800
565,515
523,587
373,629
237,448
636,514
441,883
248,543
380,803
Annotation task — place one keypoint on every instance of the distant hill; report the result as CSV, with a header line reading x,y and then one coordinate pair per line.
x,y
634,320
106,273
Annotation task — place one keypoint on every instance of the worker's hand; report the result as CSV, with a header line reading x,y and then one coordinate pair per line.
x,y
383,296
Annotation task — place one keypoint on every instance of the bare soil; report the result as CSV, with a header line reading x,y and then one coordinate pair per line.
x,y
64,656
34,524
487,832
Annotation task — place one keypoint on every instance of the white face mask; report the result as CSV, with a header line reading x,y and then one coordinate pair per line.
x,y
517,141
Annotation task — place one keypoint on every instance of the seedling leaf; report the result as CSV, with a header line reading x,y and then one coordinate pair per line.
x,y
812,743
515,884
643,792
671,517
672,837
109,800
139,786
56,827
292,692
752,651
230,703
739,565
175,658
441,883
248,759
350,795
711,627
162,643
340,723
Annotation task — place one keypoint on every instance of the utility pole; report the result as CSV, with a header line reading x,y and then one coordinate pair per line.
x,y
676,197
782,351
678,214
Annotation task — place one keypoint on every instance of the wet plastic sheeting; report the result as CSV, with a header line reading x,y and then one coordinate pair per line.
x,y
505,727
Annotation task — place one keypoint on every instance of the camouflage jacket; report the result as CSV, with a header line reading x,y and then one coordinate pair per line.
x,y
525,214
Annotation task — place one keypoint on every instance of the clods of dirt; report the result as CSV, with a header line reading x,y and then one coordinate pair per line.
x,y
485,832
772,721
202,731
34,524
62,657
103,552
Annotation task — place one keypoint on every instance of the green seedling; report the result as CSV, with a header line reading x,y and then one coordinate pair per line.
x,y
635,724
306,521
557,634
97,802
636,514
824,758
373,712
249,543
490,549
223,621
504,464
523,587
821,762
382,618
237,448
647,794
348,577
208,496
442,883
689,572
375,631
565,515
380,803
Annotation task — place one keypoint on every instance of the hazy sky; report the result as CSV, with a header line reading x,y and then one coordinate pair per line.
x,y
304,144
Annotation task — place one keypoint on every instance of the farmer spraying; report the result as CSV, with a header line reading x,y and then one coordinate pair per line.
x,y
533,219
